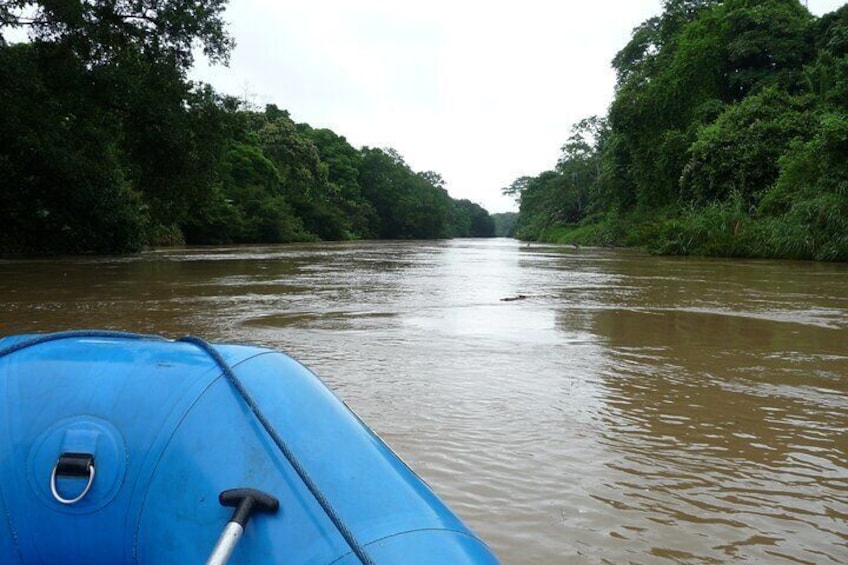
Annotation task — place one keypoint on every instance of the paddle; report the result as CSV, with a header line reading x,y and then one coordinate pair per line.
x,y
246,501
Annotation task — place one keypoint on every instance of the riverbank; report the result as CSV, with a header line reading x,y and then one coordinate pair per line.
x,y
719,230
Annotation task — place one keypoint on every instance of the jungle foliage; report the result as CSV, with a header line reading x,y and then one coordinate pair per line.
x,y
107,147
728,135
505,223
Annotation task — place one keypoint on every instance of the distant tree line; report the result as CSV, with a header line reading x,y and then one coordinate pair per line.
x,y
728,135
505,223
106,147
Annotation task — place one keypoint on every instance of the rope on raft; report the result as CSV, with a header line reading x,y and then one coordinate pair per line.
x,y
358,550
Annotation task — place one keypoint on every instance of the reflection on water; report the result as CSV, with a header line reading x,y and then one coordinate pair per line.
x,y
630,409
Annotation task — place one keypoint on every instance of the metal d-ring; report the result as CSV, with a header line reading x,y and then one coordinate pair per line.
x,y
73,464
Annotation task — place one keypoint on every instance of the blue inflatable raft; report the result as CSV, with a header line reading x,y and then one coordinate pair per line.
x,y
121,448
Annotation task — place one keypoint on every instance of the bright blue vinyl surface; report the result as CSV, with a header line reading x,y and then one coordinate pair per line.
x,y
169,433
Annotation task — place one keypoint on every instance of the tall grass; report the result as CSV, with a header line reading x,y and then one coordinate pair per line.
x,y
811,229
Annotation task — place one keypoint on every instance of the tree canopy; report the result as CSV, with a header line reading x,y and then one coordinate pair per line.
x,y
105,31
709,143
105,146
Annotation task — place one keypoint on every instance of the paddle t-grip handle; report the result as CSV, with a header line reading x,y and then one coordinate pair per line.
x,y
247,501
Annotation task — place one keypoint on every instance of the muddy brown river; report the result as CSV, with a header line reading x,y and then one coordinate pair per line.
x,y
622,408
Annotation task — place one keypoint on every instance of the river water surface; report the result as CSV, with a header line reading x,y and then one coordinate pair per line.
x,y
628,409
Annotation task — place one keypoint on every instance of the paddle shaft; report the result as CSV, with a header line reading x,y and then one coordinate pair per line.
x,y
226,544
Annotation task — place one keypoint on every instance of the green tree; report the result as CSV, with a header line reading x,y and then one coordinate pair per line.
x,y
407,204
739,152
811,194
681,69
468,219
65,186
104,87
303,176
766,43
343,162
102,31
725,136
505,223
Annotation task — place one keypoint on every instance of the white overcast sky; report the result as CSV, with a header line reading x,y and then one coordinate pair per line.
x,y
481,92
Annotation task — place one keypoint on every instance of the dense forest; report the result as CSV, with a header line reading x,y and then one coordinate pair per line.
x,y
107,147
727,135
505,223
